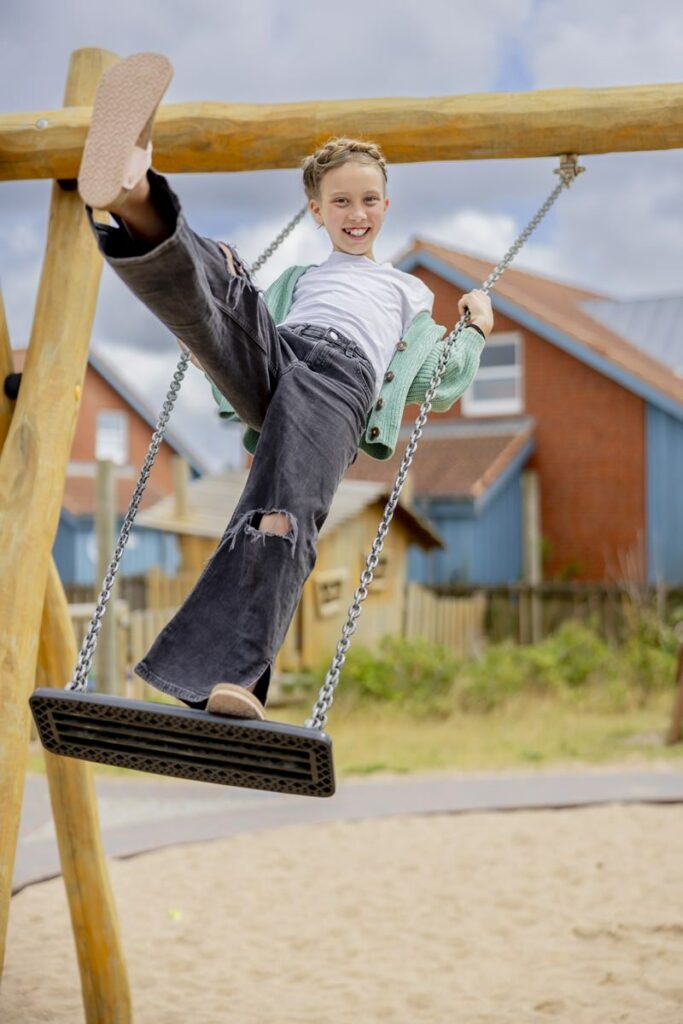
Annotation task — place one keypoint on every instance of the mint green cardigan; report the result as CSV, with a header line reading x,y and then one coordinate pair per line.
x,y
412,369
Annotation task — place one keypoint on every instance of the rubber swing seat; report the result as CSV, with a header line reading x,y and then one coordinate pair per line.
x,y
168,740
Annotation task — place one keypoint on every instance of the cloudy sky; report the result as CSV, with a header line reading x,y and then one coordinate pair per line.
x,y
619,230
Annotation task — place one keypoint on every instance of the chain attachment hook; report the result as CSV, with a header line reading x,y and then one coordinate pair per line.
x,y
569,168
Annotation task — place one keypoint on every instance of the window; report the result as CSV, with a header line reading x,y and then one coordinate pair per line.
x,y
329,590
111,441
497,388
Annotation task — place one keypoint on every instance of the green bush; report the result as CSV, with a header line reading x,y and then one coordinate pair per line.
x,y
413,673
574,665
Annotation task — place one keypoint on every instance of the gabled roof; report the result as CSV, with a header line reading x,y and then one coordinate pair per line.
x,y
555,312
213,498
101,365
458,459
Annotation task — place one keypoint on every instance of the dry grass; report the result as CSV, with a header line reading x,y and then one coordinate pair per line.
x,y
381,738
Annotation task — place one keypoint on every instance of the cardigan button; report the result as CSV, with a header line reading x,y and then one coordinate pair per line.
x,y
379,404
402,346
374,433
389,375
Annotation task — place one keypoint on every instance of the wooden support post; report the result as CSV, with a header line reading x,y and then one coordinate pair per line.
x,y
532,551
33,465
106,653
674,733
104,979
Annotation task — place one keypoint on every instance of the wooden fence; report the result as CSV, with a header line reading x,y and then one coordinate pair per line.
x,y
154,589
526,614
454,622
136,631
518,612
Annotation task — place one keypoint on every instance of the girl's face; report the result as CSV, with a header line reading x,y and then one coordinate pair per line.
x,y
352,196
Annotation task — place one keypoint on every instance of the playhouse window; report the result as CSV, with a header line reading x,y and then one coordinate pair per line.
x,y
329,591
112,436
497,388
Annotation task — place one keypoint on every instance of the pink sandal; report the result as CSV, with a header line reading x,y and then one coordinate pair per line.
x,y
118,149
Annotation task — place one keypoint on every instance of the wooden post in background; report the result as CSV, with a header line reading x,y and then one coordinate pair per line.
x,y
674,733
531,517
33,465
180,474
106,652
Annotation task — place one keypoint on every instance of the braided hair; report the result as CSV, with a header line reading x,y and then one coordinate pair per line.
x,y
333,153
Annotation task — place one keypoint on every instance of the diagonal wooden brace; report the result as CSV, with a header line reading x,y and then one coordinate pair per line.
x,y
37,436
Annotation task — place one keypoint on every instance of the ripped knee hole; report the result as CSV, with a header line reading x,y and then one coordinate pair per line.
x,y
260,523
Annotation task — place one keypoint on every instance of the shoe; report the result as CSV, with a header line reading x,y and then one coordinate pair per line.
x,y
235,702
118,151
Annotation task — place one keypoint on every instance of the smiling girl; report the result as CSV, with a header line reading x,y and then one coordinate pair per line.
x,y
319,366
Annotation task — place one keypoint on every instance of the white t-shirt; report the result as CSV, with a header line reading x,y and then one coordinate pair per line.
x,y
371,303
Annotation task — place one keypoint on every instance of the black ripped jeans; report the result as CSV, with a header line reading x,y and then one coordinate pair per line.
x,y
307,391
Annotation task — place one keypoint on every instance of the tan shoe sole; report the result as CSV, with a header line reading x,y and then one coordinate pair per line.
x,y
235,702
122,119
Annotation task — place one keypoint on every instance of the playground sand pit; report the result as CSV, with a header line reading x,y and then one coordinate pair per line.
x,y
570,916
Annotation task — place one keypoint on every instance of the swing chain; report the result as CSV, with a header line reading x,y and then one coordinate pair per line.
x,y
568,171
79,680
277,242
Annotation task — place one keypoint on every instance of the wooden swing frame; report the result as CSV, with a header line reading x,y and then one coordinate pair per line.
x,y
36,432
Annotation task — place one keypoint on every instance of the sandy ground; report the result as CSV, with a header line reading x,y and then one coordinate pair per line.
x,y
567,916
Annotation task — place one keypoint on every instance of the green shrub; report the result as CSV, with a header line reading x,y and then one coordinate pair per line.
x,y
574,665
412,673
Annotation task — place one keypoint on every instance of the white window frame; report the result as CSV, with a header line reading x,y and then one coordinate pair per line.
x,y
124,434
498,406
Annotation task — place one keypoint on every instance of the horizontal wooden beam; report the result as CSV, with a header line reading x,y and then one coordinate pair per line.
x,y
253,137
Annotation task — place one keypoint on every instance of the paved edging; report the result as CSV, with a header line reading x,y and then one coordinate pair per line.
x,y
140,815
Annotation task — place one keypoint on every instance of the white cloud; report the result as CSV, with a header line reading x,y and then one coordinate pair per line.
x,y
610,43
490,236
618,230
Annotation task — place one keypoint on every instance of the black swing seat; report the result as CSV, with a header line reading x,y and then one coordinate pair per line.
x,y
169,740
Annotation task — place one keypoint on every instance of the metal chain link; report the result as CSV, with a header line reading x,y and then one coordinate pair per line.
x,y
568,171
79,680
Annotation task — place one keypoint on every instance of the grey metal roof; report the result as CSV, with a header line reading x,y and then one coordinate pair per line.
x,y
653,325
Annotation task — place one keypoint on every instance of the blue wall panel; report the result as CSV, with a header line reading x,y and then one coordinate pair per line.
x,y
75,552
664,508
498,538
483,541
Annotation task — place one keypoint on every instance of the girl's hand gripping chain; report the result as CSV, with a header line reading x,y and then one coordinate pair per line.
x,y
479,305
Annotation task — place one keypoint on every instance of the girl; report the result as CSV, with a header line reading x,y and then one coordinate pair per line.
x,y
322,364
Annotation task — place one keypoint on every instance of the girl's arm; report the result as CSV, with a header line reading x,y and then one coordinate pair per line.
x,y
463,361
460,371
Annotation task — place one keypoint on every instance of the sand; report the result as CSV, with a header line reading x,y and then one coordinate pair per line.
x,y
564,916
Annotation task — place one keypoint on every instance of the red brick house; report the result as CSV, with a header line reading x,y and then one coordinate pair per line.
x,y
598,414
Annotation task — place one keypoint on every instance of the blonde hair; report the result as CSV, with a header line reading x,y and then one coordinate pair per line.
x,y
334,153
